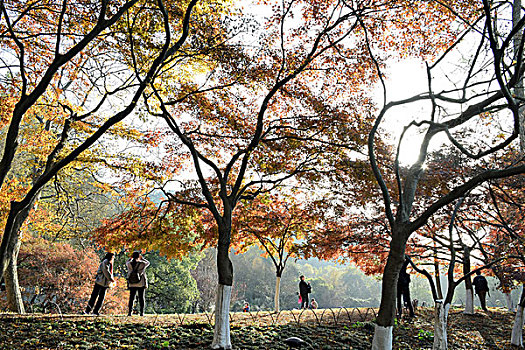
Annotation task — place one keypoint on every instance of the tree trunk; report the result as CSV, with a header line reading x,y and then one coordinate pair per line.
x,y
221,336
387,310
517,330
10,248
15,302
508,299
469,298
519,90
277,292
440,325
469,301
382,338
439,288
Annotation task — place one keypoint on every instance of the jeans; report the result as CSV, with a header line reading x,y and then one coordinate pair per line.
x,y
142,300
100,293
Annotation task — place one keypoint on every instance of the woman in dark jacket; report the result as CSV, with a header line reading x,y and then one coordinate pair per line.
x,y
138,265
103,281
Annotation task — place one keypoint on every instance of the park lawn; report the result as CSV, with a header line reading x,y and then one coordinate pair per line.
x,y
254,331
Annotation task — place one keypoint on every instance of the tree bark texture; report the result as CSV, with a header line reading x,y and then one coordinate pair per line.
x,y
221,335
469,297
277,292
396,257
15,302
469,302
11,247
517,330
224,265
508,299
440,325
519,90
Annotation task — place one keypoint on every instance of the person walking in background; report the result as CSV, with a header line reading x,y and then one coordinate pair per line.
x,y
137,281
304,290
481,288
103,280
403,290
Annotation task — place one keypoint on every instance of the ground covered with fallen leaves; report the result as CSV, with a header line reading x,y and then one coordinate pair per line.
x,y
321,329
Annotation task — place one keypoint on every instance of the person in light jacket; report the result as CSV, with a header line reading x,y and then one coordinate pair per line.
x,y
103,280
139,264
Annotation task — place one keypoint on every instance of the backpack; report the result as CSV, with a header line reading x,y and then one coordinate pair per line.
x,y
134,276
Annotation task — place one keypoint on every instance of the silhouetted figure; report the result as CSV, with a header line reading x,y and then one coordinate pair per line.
x,y
294,342
103,280
403,290
481,288
304,289
137,281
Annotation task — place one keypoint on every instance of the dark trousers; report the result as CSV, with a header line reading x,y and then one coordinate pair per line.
x,y
404,292
142,300
304,302
100,293
483,299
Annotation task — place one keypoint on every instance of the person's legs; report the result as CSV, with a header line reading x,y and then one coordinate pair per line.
x,y
100,301
132,293
483,299
306,302
142,300
92,299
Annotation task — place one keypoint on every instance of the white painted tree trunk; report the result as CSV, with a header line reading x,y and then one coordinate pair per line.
x,y
517,329
382,338
277,292
469,304
508,299
221,335
440,326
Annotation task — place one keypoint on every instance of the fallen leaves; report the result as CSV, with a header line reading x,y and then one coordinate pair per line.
x,y
480,331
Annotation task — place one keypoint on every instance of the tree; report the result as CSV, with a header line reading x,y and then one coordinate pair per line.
x,y
276,225
266,113
57,277
474,105
506,240
171,287
254,141
52,54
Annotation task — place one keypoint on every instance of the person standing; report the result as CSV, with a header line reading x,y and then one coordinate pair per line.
x,y
481,288
403,290
137,281
304,290
246,307
103,280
